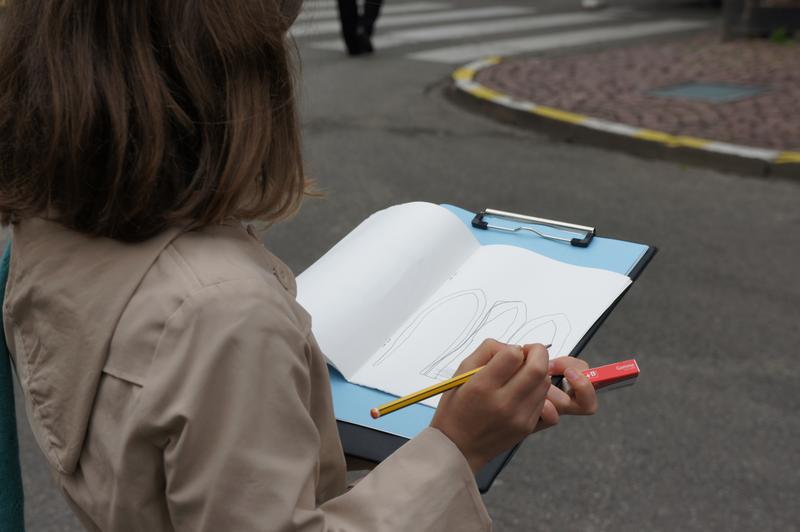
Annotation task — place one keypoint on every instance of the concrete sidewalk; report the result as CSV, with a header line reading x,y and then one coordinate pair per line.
x,y
731,102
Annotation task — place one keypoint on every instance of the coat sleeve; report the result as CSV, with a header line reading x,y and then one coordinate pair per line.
x,y
228,401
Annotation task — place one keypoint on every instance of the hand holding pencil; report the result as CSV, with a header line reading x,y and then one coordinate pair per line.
x,y
500,405
509,398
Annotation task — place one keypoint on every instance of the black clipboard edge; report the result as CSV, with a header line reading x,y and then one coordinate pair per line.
x,y
637,270
361,442
634,274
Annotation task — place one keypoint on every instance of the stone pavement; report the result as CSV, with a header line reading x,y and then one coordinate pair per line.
x,y
616,85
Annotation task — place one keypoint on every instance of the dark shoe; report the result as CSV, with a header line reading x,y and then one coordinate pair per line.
x,y
365,43
353,45
354,50
364,38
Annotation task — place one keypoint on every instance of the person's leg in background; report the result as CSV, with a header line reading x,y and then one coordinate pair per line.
x,y
348,16
372,8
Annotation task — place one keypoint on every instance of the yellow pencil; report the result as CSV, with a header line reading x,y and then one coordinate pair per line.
x,y
423,394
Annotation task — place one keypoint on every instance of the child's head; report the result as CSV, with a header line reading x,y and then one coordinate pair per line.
x,y
121,117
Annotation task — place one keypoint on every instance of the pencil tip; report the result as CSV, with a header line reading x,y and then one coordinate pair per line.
x,y
375,413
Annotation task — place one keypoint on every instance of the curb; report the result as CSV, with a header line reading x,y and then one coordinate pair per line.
x,y
641,141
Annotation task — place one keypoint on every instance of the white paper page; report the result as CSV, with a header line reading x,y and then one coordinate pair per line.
x,y
507,293
372,280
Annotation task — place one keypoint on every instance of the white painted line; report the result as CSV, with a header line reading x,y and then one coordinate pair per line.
x,y
475,29
316,4
460,54
502,99
610,127
320,28
313,14
469,86
522,106
464,80
742,151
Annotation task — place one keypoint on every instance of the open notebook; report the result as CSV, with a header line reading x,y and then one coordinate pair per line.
x,y
410,292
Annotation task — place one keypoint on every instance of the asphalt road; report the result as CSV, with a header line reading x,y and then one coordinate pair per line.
x,y
706,440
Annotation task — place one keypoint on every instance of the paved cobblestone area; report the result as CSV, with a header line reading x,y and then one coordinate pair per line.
x,y
614,85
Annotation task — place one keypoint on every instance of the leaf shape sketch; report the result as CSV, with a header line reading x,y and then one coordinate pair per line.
x,y
465,308
469,321
501,321
549,329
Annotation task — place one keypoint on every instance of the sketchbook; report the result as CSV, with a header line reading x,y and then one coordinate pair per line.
x,y
407,295
375,439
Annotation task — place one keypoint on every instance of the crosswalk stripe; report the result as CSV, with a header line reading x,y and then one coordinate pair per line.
x,y
474,29
312,28
313,14
463,53
316,5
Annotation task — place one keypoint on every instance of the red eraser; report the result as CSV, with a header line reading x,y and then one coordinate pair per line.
x,y
624,372
611,375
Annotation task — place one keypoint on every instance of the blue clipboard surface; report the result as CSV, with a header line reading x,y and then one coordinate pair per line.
x,y
374,440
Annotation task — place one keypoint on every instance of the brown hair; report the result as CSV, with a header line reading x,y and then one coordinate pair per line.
x,y
121,117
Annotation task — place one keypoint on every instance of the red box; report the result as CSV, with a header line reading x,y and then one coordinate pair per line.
x,y
616,374
610,376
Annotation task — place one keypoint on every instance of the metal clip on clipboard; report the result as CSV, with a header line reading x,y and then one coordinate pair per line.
x,y
587,233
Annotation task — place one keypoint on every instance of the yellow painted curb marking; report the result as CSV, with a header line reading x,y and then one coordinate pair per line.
x,y
463,74
672,141
691,142
788,157
558,114
656,136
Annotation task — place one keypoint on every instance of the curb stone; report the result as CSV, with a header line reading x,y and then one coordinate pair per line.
x,y
640,141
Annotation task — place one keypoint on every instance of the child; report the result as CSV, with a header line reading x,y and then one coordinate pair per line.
x,y
169,376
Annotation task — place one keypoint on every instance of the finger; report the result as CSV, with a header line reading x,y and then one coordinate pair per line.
x,y
532,373
583,391
558,365
500,368
549,417
564,403
481,356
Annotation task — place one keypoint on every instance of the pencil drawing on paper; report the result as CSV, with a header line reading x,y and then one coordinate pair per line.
x,y
470,319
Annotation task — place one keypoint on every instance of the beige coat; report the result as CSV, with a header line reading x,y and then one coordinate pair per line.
x,y
175,385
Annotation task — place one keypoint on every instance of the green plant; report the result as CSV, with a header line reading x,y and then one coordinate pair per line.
x,y
780,36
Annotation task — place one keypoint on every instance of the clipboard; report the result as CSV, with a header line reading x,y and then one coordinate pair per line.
x,y
374,440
